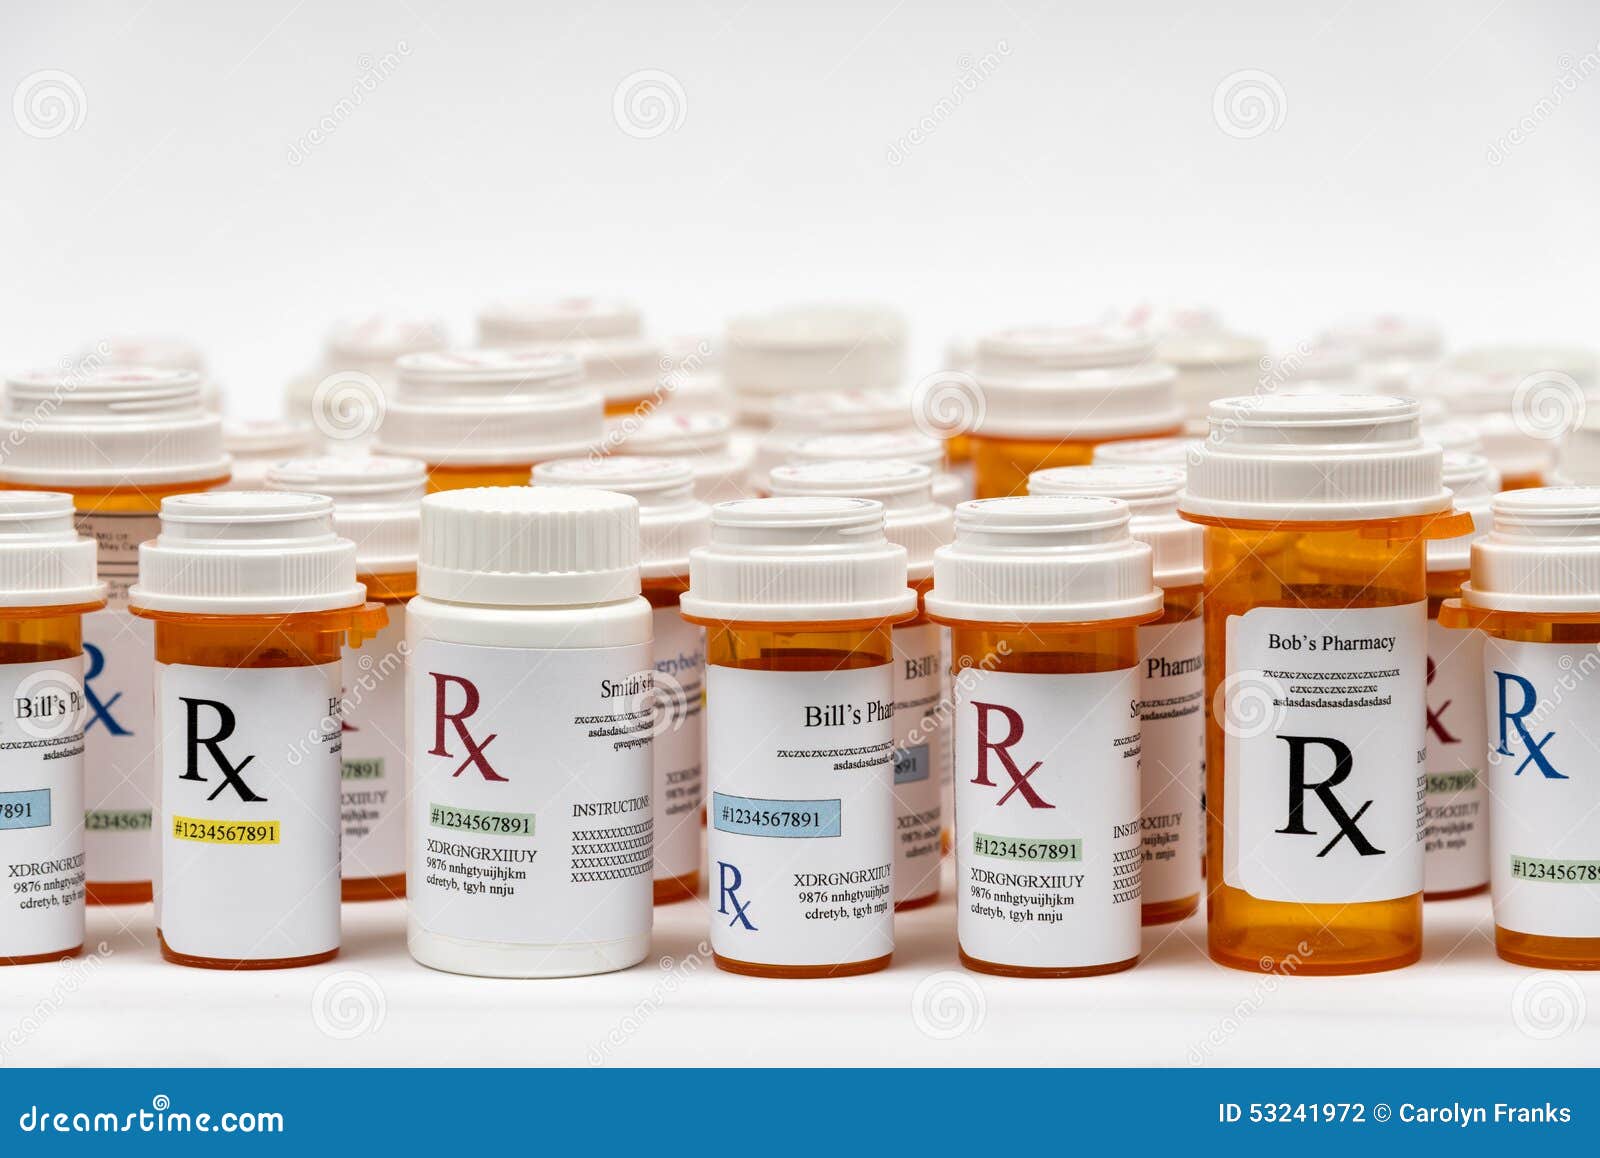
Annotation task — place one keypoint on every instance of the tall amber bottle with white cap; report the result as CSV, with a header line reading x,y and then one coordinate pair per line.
x,y
1044,595
377,505
485,417
672,522
119,440
914,520
1317,509
798,596
531,701
1052,394
1535,593
1172,705
47,584
253,596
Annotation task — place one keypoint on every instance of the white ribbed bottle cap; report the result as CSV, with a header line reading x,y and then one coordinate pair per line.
x,y
1473,482
621,369
529,546
913,518
114,427
1542,553
672,522
1314,457
246,553
1151,493
812,348
562,320
798,560
1024,350
484,407
256,443
1043,559
903,446
796,417
152,351
1379,337
373,342
1174,452
1083,404
377,504
705,441
1211,366
1449,436
43,561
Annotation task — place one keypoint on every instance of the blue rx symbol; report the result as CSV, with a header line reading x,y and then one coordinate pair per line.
x,y
1514,719
102,712
729,882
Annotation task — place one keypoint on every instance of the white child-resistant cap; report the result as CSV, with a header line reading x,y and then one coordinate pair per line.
x,y
913,518
1542,553
813,348
1023,350
1173,452
1211,366
1043,559
704,441
255,444
113,427
621,369
529,546
798,560
1151,493
377,504
796,417
374,341
43,560
562,320
482,407
902,446
1473,482
246,553
672,522
1315,457
1458,437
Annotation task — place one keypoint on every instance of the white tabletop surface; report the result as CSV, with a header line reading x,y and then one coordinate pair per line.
x,y
121,1004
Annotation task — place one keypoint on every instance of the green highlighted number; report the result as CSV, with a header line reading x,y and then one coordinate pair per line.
x,y
471,820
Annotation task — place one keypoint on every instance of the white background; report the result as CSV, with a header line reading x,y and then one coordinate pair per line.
x,y
1088,168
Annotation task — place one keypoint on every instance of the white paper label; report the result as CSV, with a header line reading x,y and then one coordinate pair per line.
x,y
1173,687
1544,786
1457,836
921,759
680,743
42,710
530,793
1047,817
800,838
1323,724
120,788
249,810
372,804
947,773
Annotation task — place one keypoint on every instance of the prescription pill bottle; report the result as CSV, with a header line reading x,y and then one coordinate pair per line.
x,y
797,417
1456,842
798,597
1174,452
813,349
531,697
47,584
118,440
922,777
1316,509
671,523
1050,395
377,505
484,417
1535,594
1172,680
253,596
898,446
1044,595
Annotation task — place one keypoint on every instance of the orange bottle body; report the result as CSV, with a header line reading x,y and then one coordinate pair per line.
x,y
1173,801
442,477
678,746
922,755
1457,805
